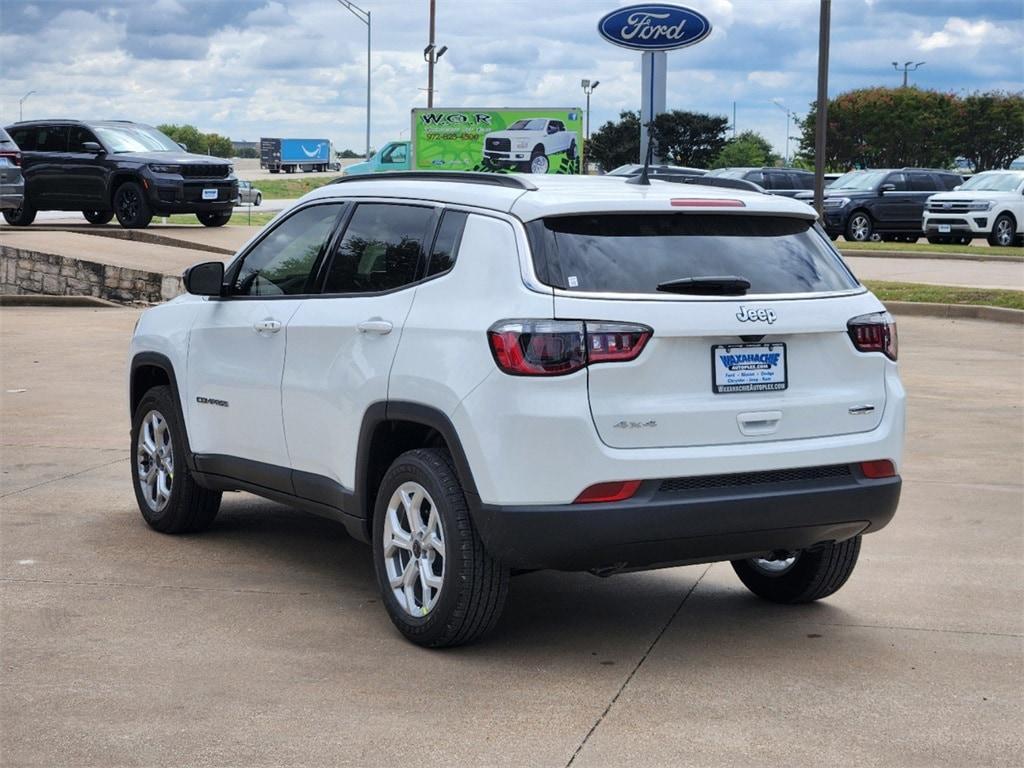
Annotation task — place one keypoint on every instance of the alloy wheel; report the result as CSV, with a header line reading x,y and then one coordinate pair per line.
x,y
154,460
860,227
539,164
414,549
1004,232
128,204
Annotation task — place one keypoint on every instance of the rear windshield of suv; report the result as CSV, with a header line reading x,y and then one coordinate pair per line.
x,y
634,253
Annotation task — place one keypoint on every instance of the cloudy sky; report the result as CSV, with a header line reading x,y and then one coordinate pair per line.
x,y
246,68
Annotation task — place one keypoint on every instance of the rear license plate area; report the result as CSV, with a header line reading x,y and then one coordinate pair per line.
x,y
748,368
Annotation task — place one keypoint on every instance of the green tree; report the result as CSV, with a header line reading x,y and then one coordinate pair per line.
x,y
990,129
188,135
747,149
886,128
219,146
689,138
348,154
616,143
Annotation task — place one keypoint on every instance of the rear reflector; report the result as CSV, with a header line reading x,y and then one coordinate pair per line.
x,y
873,470
603,492
696,202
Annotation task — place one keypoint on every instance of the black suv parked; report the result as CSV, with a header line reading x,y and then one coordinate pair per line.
x,y
117,167
889,203
788,182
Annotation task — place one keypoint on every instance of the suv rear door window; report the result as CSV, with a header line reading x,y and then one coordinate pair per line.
x,y
282,263
380,250
634,253
45,138
446,243
923,182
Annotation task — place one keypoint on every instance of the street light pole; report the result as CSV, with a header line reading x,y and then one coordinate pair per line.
x,y
588,88
363,16
789,115
431,54
907,68
821,116
21,102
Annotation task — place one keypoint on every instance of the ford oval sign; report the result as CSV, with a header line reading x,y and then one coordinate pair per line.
x,y
654,27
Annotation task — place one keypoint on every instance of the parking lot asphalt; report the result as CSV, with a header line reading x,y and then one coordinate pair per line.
x,y
263,643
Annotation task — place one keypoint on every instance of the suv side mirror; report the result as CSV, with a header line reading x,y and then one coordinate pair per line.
x,y
92,146
887,188
183,146
956,187
206,279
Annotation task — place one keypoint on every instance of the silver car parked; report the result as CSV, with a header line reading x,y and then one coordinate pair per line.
x,y
248,194
12,183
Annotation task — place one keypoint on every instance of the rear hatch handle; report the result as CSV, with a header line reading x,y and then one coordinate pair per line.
x,y
756,423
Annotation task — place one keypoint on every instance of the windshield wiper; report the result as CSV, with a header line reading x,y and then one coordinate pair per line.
x,y
727,285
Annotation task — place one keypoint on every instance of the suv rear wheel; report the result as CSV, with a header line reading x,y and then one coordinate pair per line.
x,y
214,218
21,216
802,576
98,217
439,585
169,498
130,206
859,228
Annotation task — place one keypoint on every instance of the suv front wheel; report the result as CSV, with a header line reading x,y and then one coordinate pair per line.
x,y
859,228
131,207
802,576
439,585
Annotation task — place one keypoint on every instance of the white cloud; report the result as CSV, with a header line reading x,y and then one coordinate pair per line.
x,y
958,32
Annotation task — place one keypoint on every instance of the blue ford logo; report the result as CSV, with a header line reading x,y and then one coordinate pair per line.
x,y
654,27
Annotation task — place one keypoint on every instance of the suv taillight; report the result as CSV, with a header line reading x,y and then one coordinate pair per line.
x,y
13,157
874,333
558,347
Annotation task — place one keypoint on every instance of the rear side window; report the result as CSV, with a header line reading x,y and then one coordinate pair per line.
x,y
51,138
446,244
380,250
949,181
634,253
25,139
923,182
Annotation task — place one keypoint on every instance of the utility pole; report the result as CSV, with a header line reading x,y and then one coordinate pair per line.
x,y
431,54
363,16
907,68
21,102
821,118
588,88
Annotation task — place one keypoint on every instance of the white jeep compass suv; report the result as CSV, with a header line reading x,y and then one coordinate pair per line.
x,y
481,374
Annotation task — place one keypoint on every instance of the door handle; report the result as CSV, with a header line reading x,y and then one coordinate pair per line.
x,y
267,326
375,325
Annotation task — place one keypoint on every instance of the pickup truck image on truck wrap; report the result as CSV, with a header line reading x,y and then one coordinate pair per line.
x,y
529,145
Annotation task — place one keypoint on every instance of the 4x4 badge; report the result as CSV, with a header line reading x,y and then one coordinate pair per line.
x,y
756,315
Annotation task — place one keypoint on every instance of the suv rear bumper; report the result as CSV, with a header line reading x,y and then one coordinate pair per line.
x,y
662,528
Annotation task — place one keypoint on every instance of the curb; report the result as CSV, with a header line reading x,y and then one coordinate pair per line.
x,y
850,253
956,311
43,300
151,236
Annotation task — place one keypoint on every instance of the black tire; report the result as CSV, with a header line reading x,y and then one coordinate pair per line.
x,y
188,507
275,170
20,217
259,199
1002,234
131,207
571,153
814,574
214,218
939,239
859,227
98,217
473,584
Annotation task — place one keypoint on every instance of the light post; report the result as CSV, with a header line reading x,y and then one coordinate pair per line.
x,y
588,88
431,54
21,102
789,115
908,66
363,16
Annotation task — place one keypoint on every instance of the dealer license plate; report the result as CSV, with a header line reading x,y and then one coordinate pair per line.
x,y
748,367
944,228
209,194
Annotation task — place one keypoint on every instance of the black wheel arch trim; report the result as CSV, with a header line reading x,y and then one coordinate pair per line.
x,y
163,363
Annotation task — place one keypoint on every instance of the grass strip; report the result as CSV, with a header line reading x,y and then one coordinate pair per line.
x,y
970,250
946,294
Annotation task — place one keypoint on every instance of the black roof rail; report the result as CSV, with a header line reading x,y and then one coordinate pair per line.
x,y
932,170
720,181
784,168
464,177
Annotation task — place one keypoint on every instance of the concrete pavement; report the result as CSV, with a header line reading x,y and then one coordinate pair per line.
x,y
262,642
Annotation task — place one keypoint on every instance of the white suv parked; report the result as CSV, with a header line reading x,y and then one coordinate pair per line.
x,y
990,205
480,374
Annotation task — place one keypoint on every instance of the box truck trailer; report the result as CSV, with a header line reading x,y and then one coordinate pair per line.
x,y
290,155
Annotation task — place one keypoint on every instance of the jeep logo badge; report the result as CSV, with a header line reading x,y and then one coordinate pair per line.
x,y
654,27
756,315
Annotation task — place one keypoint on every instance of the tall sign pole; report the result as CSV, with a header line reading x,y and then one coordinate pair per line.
x,y
821,118
654,29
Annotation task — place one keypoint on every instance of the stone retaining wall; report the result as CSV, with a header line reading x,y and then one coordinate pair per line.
x,y
23,271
